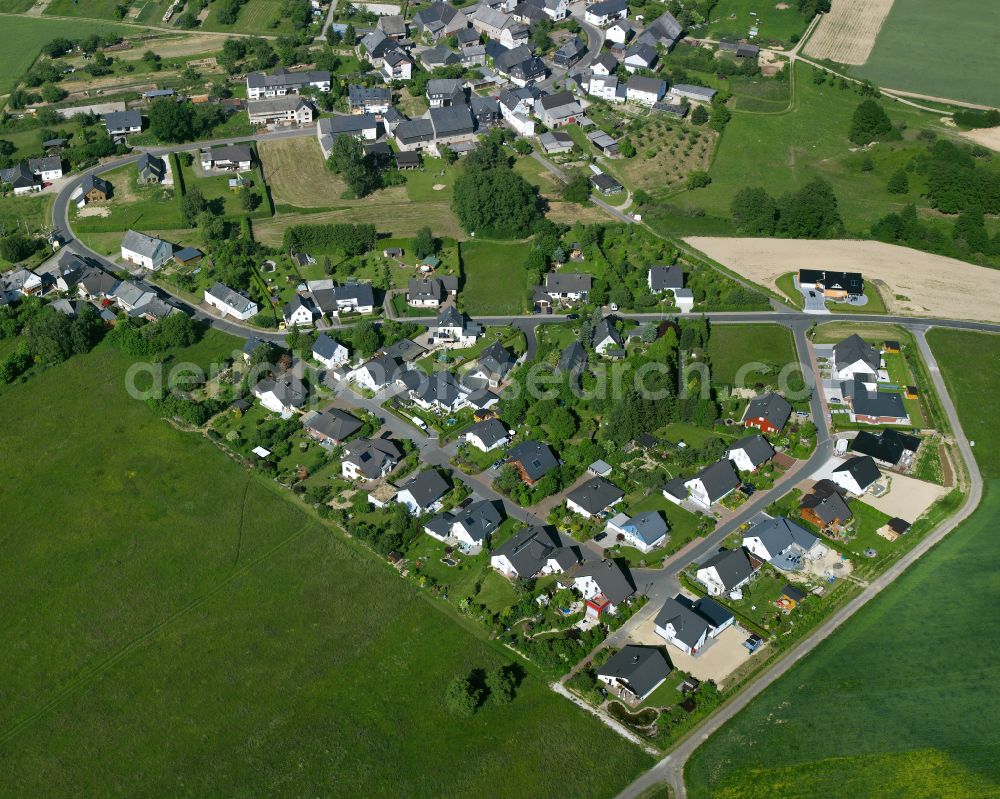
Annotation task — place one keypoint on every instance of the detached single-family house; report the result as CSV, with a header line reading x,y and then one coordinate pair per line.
x,y
145,251
664,278
533,551
567,287
46,169
445,92
621,32
605,64
368,99
280,111
712,484
377,373
605,12
515,107
838,286
665,31
533,460
605,184
493,364
727,570
331,426
680,626
557,110
439,391
121,123
425,292
423,493
572,360
439,20
454,329
21,179
856,474
593,497
361,126
888,447
643,56
825,507
369,458
571,51
750,453
284,394
782,543
93,190
607,340
21,283
646,91
397,66
488,435
472,526
151,169
329,352
635,671
556,10
355,298
233,157
555,142
230,302
299,312
854,356
604,585
767,413
871,406
645,531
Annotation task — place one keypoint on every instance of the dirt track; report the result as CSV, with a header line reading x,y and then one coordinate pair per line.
x,y
847,34
917,283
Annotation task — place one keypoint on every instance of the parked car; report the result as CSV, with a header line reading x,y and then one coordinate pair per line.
x,y
600,536
753,643
573,316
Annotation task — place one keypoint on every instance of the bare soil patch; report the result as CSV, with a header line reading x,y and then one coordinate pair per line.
x,y
94,210
847,34
987,137
916,283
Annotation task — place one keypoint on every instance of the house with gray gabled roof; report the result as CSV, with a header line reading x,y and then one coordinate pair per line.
x,y
331,426
454,329
533,551
727,570
856,474
782,543
375,45
413,134
750,453
593,497
493,364
329,352
423,493
487,435
369,458
665,31
21,179
888,446
604,585
645,91
645,531
607,340
557,110
471,526
664,278
825,507
768,413
870,406
444,92
680,626
452,124
299,312
604,64
121,123
151,169
701,94
438,391
605,12
396,66
555,10
712,484
96,284
361,126
568,286
46,169
634,672
439,20
146,251
233,157
571,51
284,394
230,302
533,460
377,373
854,356
572,359
281,82
392,25
643,56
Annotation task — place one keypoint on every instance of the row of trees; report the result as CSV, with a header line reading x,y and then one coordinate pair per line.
x,y
351,239
141,339
809,213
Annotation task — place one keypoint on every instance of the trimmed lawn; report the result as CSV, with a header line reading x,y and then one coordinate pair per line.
x,y
786,284
973,390
256,16
160,581
131,206
216,187
21,40
420,183
495,279
731,348
891,705
966,73
777,22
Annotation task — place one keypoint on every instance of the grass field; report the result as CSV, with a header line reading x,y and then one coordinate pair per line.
x,y
968,387
495,278
897,703
95,9
732,347
257,16
782,151
15,6
21,39
965,71
176,626
731,18
131,206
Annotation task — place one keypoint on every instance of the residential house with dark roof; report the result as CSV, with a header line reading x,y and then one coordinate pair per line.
x,y
782,543
854,356
369,458
767,413
644,531
331,426
452,124
472,526
488,435
532,552
679,625
445,92
299,312
121,123
557,110
567,287
750,453
145,251
533,460
606,184
439,20
645,91
423,493
284,394
825,507
712,484
856,475
151,169
607,340
377,373
665,31
281,82
604,584
493,364
649,90
593,497
664,278
230,302
727,570
604,12
888,447
368,99
572,360
634,672
329,352
571,51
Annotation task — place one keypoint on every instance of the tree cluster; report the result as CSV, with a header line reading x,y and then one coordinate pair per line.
x,y
142,339
809,213
351,239
465,695
171,121
871,123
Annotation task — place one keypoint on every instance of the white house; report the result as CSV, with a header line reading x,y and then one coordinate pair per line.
x,y
284,394
712,484
645,531
355,298
329,352
377,373
533,551
423,493
282,82
750,453
646,91
396,66
607,338
369,458
856,474
471,526
233,157
782,543
854,356
593,497
145,251
46,169
620,32
604,585
453,330
299,312
288,110
727,570
607,87
488,435
605,12
681,627
230,302
635,671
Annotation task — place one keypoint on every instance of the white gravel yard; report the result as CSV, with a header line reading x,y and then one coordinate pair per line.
x,y
906,498
720,657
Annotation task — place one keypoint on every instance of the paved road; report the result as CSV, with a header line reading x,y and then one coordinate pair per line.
x,y
671,768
